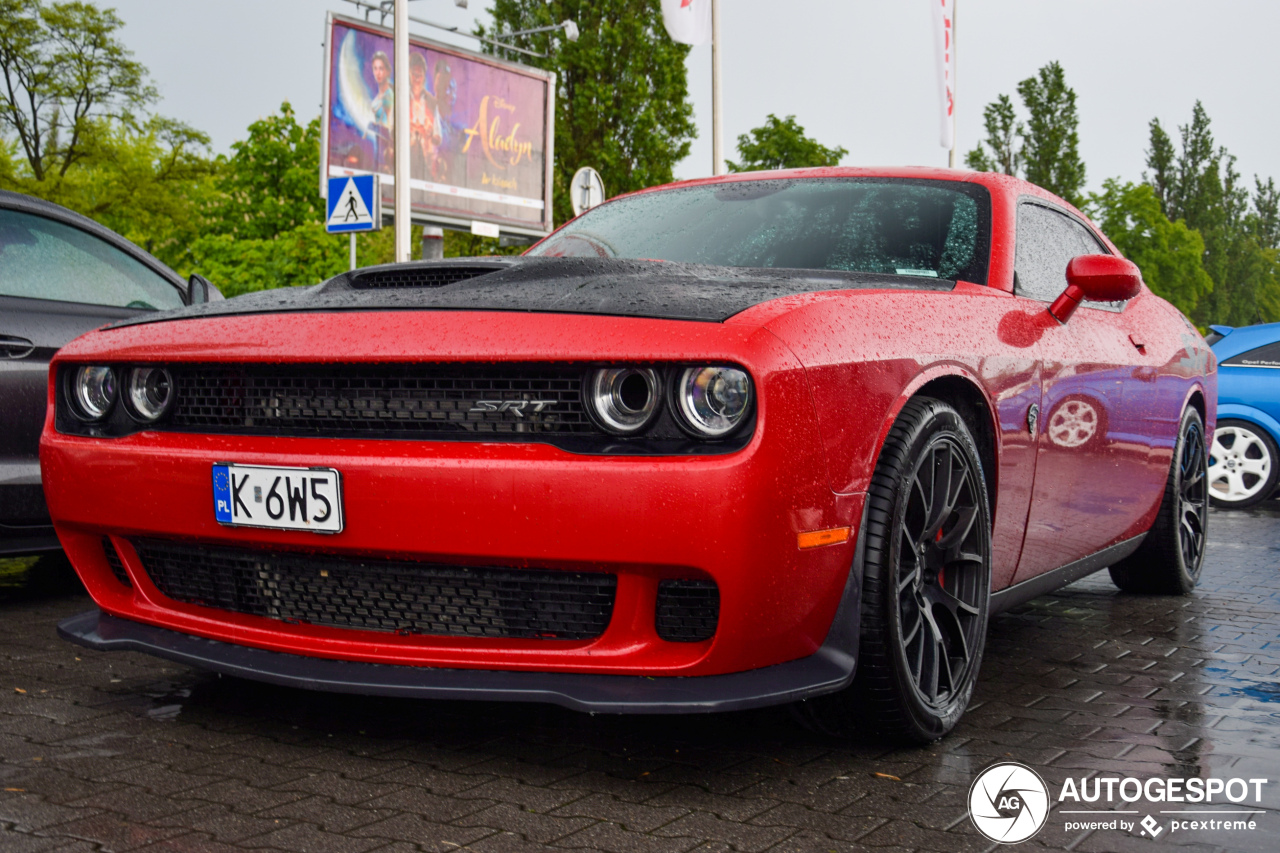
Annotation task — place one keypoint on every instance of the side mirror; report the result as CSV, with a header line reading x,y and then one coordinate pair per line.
x,y
201,290
1097,278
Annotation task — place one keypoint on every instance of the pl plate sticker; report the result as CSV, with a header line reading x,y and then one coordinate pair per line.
x,y
1009,802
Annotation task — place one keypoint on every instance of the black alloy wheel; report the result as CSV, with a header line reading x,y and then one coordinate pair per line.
x,y
926,583
941,573
1193,497
1171,557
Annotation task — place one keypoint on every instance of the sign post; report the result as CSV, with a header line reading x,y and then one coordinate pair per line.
x,y
355,205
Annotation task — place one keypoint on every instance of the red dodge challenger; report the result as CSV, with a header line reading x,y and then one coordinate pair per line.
x,y
787,437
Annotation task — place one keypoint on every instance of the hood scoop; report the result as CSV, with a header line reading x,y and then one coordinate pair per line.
x,y
433,275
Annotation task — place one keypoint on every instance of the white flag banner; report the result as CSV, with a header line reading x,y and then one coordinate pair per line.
x,y
944,14
687,21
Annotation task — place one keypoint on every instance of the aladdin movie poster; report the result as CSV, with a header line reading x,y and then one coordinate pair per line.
x,y
479,132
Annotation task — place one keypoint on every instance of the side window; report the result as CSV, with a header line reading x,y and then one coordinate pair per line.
x,y
1047,241
44,259
1263,356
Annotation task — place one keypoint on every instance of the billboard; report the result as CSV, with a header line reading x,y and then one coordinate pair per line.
x,y
481,130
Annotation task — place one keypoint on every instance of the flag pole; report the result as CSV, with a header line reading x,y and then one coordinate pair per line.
x,y
401,132
717,102
955,75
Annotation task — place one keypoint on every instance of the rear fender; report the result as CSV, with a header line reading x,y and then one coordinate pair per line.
x,y
1257,417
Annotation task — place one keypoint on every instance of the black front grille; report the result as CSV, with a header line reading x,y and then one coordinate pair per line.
x,y
688,611
113,560
382,595
430,277
400,400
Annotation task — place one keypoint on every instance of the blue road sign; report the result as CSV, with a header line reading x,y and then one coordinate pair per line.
x,y
355,204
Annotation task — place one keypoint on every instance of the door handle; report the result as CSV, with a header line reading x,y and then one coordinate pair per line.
x,y
15,347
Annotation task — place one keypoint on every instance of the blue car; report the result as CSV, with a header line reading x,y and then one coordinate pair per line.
x,y
1244,463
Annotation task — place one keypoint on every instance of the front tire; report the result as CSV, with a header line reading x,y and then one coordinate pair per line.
x,y
926,583
1169,560
1243,465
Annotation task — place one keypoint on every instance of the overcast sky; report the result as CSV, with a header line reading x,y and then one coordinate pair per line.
x,y
855,73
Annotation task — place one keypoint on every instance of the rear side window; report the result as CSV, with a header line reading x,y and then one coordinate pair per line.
x,y
44,259
1047,241
1264,356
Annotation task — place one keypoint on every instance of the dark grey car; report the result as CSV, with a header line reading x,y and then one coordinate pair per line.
x,y
61,275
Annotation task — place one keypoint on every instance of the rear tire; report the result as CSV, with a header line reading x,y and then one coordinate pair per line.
x,y
1243,465
925,587
1169,560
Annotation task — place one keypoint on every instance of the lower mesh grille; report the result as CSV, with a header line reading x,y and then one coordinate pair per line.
x,y
114,561
688,611
381,595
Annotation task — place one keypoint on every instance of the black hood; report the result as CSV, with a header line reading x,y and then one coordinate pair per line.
x,y
630,288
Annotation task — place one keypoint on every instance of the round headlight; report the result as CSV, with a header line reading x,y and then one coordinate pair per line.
x,y
623,400
94,389
150,391
713,401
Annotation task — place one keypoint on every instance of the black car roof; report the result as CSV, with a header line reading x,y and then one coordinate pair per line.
x,y
49,210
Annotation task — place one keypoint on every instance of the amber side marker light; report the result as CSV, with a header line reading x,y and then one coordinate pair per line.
x,y
818,538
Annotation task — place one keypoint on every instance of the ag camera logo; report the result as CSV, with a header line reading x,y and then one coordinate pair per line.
x,y
1008,802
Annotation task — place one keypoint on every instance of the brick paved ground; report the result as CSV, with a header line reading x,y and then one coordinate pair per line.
x,y
123,752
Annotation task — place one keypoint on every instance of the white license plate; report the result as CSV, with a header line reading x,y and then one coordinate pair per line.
x,y
282,498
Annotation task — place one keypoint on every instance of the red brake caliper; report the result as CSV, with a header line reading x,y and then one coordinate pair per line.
x,y
938,538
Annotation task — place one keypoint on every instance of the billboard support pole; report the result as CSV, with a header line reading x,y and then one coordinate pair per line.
x,y
717,101
401,132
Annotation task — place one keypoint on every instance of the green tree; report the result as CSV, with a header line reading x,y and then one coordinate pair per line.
x,y
1051,142
150,185
1264,221
67,78
266,220
74,128
1049,153
1198,183
1168,253
269,184
622,97
1162,161
782,145
999,151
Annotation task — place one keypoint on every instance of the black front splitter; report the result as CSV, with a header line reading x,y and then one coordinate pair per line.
x,y
828,670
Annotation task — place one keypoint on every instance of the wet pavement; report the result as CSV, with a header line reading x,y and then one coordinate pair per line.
x,y
123,752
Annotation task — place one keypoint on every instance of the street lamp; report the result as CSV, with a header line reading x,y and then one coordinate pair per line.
x,y
569,27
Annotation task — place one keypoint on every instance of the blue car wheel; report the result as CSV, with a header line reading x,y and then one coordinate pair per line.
x,y
1243,465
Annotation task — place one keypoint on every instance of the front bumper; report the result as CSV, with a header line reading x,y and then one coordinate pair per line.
x,y
732,519
829,669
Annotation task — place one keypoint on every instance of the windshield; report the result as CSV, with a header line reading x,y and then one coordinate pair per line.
x,y
935,229
44,259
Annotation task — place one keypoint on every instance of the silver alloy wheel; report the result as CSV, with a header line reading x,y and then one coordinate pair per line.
x,y
1239,464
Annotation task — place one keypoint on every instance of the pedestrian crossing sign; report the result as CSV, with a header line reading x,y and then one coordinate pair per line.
x,y
355,204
